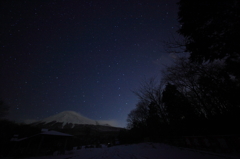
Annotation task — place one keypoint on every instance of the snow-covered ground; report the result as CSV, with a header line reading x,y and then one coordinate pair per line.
x,y
136,151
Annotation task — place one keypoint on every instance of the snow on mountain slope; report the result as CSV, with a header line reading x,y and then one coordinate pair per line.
x,y
71,117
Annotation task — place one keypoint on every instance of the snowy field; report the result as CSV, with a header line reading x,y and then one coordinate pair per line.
x,y
136,151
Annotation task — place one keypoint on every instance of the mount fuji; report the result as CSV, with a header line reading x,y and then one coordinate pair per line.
x,y
68,119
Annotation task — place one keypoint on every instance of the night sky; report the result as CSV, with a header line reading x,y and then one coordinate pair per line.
x,y
86,56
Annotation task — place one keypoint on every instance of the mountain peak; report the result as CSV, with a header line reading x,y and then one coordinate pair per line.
x,y
70,117
75,121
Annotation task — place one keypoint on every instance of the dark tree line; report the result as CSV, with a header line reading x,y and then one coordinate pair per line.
x,y
198,95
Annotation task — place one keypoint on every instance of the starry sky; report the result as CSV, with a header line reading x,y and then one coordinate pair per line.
x,y
86,56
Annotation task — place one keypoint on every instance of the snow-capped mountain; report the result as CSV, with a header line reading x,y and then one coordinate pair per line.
x,y
69,119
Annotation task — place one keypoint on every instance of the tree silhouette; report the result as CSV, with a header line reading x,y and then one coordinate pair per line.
x,y
149,116
210,28
200,91
150,91
177,105
138,116
208,87
153,121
